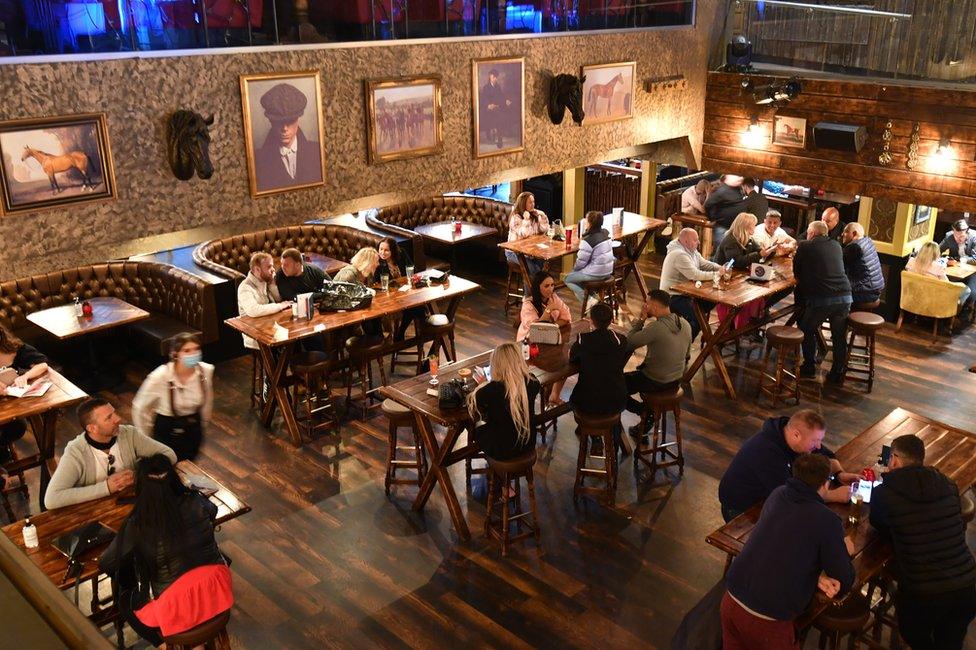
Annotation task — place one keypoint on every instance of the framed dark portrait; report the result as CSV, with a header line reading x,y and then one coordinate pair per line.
x,y
498,105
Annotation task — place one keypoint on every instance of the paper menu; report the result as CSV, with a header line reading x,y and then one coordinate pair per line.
x,y
36,389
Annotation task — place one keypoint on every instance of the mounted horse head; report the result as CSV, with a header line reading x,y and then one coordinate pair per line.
x,y
188,145
566,91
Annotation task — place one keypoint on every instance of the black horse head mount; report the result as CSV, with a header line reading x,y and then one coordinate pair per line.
x,y
188,145
566,91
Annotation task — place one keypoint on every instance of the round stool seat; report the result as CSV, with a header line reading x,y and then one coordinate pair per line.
x,y
865,306
395,410
358,345
968,508
663,399
309,362
596,285
596,421
865,321
512,465
201,634
850,615
437,320
783,335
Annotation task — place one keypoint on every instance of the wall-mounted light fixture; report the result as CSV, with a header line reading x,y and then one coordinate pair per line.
x,y
943,160
777,94
755,136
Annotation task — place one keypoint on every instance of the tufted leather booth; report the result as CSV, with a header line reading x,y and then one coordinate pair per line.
x,y
177,300
473,209
230,257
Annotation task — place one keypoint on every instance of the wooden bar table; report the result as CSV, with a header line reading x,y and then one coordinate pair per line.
x,y
541,248
960,271
952,451
329,265
42,413
290,332
734,293
550,365
443,232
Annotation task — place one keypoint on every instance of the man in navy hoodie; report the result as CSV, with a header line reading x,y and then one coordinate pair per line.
x,y
797,547
764,462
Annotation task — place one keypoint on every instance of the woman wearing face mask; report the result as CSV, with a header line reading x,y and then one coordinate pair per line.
x,y
174,403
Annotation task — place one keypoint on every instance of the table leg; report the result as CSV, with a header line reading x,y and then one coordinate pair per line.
x,y
634,257
526,275
279,396
45,429
438,472
711,348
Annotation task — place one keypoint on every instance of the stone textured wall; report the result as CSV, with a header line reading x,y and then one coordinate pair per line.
x,y
155,211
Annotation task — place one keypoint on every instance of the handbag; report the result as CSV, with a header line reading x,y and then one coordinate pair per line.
x,y
342,296
545,333
451,394
181,433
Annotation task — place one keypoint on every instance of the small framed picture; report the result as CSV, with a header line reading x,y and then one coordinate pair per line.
x,y
404,118
50,162
498,105
790,131
608,92
922,213
283,131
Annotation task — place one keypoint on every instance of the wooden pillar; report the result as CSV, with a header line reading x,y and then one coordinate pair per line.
x,y
574,204
648,188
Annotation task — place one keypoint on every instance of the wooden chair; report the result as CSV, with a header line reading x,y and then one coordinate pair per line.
x,y
503,474
605,290
784,382
212,635
437,329
362,351
860,356
514,287
310,392
924,295
657,406
848,617
591,428
257,380
400,416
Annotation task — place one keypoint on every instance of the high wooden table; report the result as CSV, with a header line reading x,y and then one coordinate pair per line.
x,y
960,271
952,451
549,366
330,265
443,232
541,248
42,412
735,293
262,330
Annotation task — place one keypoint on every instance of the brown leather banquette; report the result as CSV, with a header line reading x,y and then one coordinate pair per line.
x,y
177,300
473,209
230,257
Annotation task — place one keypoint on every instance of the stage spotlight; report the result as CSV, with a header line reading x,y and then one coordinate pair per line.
x,y
738,55
778,94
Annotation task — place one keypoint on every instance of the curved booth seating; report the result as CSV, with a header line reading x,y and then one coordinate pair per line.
x,y
229,257
177,300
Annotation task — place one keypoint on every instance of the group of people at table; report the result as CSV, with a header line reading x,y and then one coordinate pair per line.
x,y
797,547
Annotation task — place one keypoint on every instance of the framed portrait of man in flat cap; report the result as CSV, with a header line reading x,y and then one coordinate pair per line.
x,y
283,131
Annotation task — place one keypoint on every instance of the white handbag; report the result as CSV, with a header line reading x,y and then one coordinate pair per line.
x,y
545,333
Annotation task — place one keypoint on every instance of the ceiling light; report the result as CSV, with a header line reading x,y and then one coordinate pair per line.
x,y
835,8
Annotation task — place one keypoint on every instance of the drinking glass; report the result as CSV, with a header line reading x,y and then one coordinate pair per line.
x,y
409,271
385,282
551,232
434,365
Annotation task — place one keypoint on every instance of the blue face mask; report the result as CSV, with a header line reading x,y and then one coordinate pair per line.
x,y
192,360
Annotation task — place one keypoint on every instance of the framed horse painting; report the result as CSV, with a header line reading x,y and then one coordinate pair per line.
x,y
498,105
404,118
608,92
55,161
790,131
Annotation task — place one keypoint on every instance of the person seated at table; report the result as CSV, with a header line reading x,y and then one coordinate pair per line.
x,y
175,401
960,243
543,305
742,250
835,227
502,408
724,203
30,365
99,461
929,262
756,202
694,197
600,355
823,293
683,263
918,508
862,264
393,263
525,221
773,234
257,294
797,547
164,561
595,259
763,462
297,276
360,270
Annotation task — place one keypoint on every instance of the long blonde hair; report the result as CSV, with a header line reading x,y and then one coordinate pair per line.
x,y
508,367
928,253
740,227
365,261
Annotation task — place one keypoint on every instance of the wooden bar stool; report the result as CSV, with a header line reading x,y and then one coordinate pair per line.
x,y
658,405
605,290
860,357
865,306
362,351
785,340
211,634
438,329
883,611
3,497
503,474
514,287
591,428
257,380
842,618
401,416
310,372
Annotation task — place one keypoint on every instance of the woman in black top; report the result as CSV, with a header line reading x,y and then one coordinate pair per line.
x,y
601,356
29,364
393,263
504,405
738,244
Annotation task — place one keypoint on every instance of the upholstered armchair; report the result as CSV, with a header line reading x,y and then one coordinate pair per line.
x,y
924,295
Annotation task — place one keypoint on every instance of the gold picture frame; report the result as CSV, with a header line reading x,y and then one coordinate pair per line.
x,y
499,127
601,81
268,170
66,156
403,132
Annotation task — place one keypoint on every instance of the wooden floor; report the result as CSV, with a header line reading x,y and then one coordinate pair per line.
x,y
326,560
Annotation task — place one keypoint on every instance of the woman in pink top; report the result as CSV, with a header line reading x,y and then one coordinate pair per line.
x,y
928,261
525,221
543,305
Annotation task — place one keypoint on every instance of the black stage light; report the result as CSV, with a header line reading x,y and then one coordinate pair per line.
x,y
738,55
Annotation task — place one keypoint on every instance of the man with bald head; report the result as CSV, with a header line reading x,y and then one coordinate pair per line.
x,y
823,293
835,227
862,265
683,263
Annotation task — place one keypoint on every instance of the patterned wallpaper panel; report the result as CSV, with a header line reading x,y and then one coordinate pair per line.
x,y
883,213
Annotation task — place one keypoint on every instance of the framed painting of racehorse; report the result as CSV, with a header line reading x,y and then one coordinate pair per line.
x,y
55,161
498,105
404,118
608,92
790,131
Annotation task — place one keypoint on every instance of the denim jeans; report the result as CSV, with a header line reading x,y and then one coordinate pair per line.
x,y
575,280
534,265
718,234
811,319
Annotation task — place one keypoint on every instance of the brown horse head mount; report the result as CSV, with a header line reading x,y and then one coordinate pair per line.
x,y
566,91
188,145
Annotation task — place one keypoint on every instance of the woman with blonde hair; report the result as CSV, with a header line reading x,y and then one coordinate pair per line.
x,y
502,407
361,267
739,245
928,261
525,221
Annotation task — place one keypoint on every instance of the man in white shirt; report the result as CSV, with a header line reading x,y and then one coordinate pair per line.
x,y
683,263
693,198
771,233
257,295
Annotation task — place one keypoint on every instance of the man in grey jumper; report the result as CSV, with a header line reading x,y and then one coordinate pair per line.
x,y
99,462
666,338
684,263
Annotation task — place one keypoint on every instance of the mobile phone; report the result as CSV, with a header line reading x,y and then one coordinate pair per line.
x,y
885,455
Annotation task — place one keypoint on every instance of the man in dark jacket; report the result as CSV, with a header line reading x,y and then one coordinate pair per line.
x,y
918,507
797,546
960,243
724,204
862,265
600,356
824,294
756,203
764,462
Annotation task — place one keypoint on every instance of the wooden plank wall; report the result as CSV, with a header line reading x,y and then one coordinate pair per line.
x,y
941,114
606,189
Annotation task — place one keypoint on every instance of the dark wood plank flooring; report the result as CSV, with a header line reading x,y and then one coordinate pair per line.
x,y
326,560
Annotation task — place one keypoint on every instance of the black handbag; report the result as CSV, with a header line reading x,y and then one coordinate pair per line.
x,y
181,433
451,394
342,296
